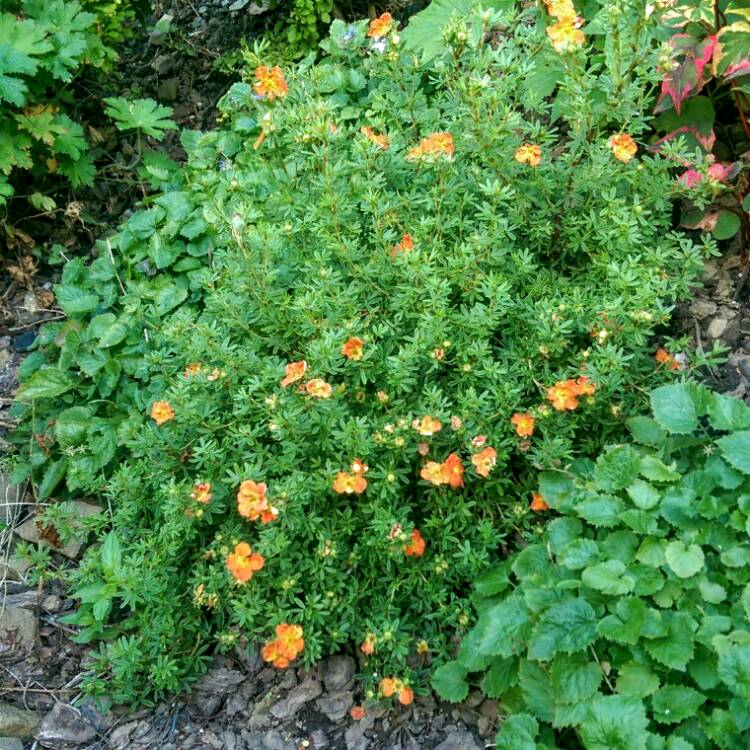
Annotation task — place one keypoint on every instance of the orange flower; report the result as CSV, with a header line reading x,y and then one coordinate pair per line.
x,y
290,637
405,696
427,426
433,473
359,467
562,396
453,470
389,686
529,154
562,10
243,562
484,461
479,441
349,483
252,502
437,144
273,652
623,147
368,645
379,27
524,424
416,546
270,83
405,246
663,357
382,141
293,372
318,388
537,503
357,712
194,368
202,492
353,348
566,35
162,412
582,386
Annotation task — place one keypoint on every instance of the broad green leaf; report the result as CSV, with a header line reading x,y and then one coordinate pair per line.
x,y
615,723
556,488
74,300
518,732
566,626
676,648
644,495
684,561
503,629
48,382
600,510
111,553
579,554
616,468
734,670
713,593
651,552
727,225
575,678
500,675
646,431
449,682
655,470
562,531
608,577
674,703
674,409
625,624
736,557
636,680
728,413
52,477
493,581
537,690
72,425
736,449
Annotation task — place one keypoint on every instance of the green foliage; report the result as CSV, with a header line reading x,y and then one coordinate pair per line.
x,y
145,116
114,19
276,244
633,633
42,46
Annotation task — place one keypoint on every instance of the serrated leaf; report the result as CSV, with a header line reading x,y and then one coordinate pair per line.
x,y
676,648
503,629
493,581
600,510
575,678
71,426
673,703
518,732
625,624
52,477
684,561
736,450
566,626
734,670
615,723
609,577
644,495
616,468
674,409
636,680
728,413
654,469
144,115
500,675
49,382
646,431
449,682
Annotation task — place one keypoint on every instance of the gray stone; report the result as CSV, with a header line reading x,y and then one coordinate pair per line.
x,y
355,737
296,698
459,739
64,727
18,631
167,91
717,327
17,722
272,740
319,739
119,738
77,509
702,308
205,704
220,680
338,672
10,743
335,705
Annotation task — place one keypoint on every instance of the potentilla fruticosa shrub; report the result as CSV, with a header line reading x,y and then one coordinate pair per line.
x,y
421,288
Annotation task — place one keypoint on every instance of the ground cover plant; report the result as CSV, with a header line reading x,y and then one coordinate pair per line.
x,y
625,625
315,378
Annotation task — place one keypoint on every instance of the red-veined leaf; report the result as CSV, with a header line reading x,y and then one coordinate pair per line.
x,y
686,79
